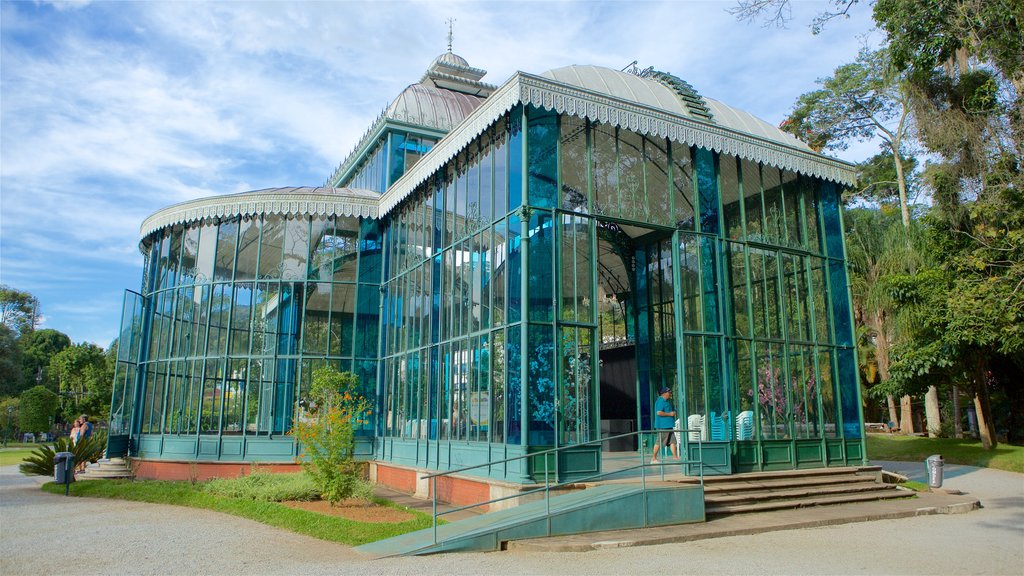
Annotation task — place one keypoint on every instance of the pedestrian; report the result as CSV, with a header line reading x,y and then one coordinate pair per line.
x,y
76,432
85,425
665,423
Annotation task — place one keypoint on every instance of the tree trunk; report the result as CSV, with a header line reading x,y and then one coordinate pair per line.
x,y
893,416
877,321
906,416
982,407
958,428
901,185
931,412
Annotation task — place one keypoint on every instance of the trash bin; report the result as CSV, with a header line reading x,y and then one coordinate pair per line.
x,y
934,466
63,467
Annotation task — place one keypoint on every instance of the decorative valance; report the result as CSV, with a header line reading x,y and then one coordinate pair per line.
x,y
303,201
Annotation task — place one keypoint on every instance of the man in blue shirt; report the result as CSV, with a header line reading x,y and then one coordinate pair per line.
x,y
665,421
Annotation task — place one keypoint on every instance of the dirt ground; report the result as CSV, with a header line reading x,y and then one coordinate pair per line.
x,y
353,509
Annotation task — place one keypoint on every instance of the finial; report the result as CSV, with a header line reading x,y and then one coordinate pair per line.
x,y
451,26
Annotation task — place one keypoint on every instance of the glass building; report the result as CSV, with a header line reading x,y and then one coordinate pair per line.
x,y
510,269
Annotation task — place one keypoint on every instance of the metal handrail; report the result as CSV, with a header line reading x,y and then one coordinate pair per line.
x,y
548,486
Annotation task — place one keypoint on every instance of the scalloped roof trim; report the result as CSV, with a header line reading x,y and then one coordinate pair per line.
x,y
317,201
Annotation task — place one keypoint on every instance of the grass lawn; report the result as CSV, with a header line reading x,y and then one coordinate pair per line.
x,y
320,526
9,456
953,451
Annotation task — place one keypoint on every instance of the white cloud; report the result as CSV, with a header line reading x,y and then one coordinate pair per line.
x,y
111,111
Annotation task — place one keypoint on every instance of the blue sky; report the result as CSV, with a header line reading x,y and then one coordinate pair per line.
x,y
112,110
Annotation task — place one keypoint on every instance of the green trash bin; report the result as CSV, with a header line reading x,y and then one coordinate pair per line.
x,y
63,467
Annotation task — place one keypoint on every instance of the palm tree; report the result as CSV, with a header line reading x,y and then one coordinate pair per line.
x,y
878,244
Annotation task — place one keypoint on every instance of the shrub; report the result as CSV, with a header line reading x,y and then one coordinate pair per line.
x,y
40,462
265,487
326,435
36,408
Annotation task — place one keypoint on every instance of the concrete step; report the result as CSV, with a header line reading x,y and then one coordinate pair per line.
x,y
747,496
752,485
885,494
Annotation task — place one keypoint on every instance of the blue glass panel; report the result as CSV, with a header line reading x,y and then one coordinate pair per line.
x,y
513,371
541,385
709,281
849,399
368,310
840,303
397,158
707,190
515,158
542,152
515,266
369,252
643,341
542,269
829,195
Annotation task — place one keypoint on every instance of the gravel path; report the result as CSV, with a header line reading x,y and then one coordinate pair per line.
x,y
43,534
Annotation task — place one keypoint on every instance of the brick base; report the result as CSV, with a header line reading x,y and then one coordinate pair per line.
x,y
199,471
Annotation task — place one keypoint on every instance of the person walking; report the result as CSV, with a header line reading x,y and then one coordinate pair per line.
x,y
76,432
665,423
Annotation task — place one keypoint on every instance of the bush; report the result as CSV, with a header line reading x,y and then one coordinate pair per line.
x,y
36,408
40,462
326,435
265,487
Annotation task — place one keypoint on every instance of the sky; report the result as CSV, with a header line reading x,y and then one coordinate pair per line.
x,y
113,110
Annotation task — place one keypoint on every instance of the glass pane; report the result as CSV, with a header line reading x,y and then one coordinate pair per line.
x,y
774,211
697,417
744,371
501,174
541,270
707,188
513,396
541,386
751,181
682,186
248,249
227,234
605,170
632,198
577,398
656,178
270,247
771,393
827,389
731,206
296,249
738,289
575,263
542,147
690,282
573,155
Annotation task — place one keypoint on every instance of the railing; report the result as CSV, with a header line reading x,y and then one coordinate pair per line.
x,y
548,486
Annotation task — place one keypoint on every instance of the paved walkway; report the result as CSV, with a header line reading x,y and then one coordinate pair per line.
x,y
46,534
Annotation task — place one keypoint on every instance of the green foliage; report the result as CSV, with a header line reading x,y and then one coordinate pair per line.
x,y
326,434
36,409
84,378
878,180
8,418
11,377
328,528
37,348
40,462
18,310
265,487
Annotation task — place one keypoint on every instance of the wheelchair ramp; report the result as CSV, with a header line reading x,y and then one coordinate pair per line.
x,y
599,508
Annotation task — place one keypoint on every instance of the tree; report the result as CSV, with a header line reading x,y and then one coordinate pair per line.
x,y
83,380
38,348
9,417
779,13
10,363
861,101
878,246
964,61
18,310
36,409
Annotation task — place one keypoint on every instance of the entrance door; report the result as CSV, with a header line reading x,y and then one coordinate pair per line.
x,y
635,326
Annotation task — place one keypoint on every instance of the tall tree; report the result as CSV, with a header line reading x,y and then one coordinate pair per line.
x,y
965,62
861,101
878,246
10,363
19,310
83,380
37,348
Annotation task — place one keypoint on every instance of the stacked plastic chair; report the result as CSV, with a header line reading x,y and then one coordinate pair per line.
x,y
745,425
695,423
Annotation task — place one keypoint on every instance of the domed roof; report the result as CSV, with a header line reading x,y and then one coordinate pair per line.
x,y
432,107
450,59
654,94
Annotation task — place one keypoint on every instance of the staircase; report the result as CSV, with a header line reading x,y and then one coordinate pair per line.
x,y
106,469
765,491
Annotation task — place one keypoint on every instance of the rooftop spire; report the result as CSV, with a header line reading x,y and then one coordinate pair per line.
x,y
451,26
